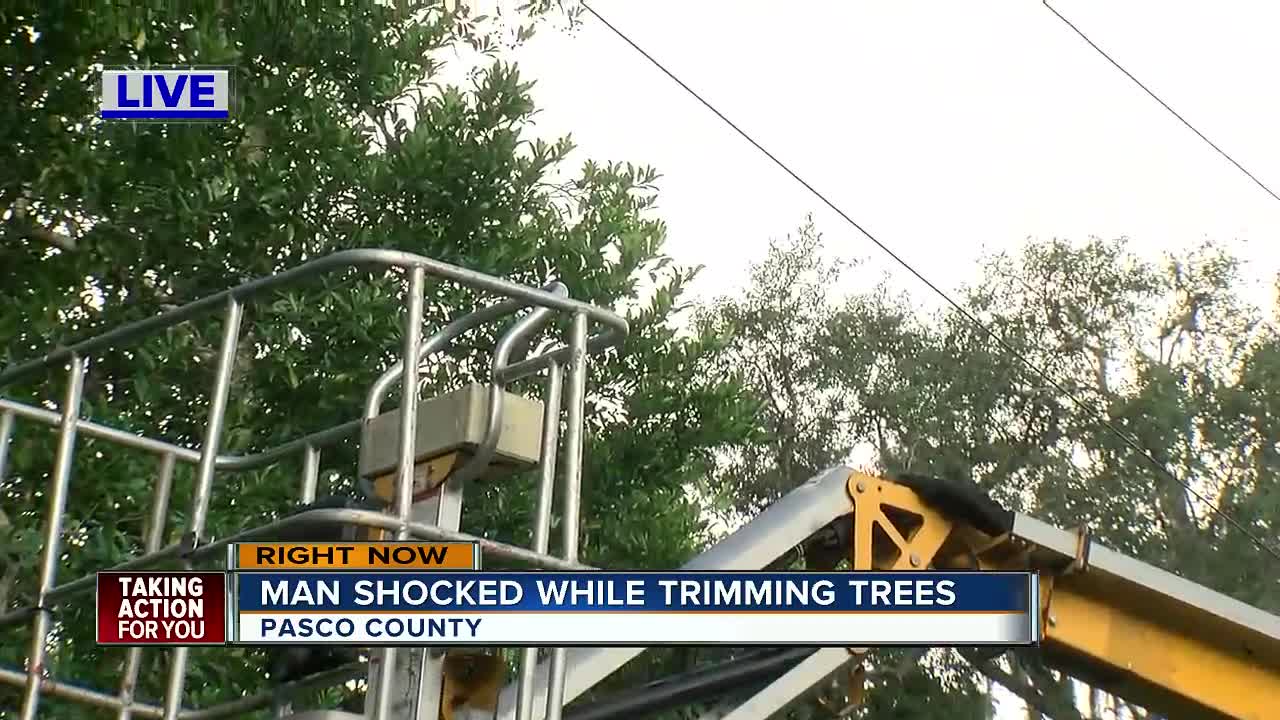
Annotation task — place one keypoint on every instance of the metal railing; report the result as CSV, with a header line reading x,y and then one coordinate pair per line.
x,y
194,547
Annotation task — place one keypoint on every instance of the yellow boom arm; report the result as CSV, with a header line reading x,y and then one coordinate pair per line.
x,y
1122,625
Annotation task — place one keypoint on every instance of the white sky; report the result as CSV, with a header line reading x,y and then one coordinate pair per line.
x,y
946,129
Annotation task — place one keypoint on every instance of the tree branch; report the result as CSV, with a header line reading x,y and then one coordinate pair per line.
x,y
854,692
7,582
1029,694
66,243
389,138
10,577
26,227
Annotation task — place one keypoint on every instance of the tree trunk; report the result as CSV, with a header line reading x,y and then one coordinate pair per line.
x,y
1021,676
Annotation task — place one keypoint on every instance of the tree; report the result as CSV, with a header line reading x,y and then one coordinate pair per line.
x,y
773,329
1162,351
343,137
1174,358
1168,353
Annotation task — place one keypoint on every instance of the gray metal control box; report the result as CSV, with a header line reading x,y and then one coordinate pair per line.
x,y
456,421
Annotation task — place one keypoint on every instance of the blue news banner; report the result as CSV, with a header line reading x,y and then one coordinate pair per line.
x,y
634,608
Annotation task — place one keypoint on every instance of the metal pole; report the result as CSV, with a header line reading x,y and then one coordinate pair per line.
x,y
204,480
572,489
700,685
310,474
53,536
155,534
445,511
160,505
404,477
783,525
794,684
78,694
6,434
409,402
542,520
365,258
547,473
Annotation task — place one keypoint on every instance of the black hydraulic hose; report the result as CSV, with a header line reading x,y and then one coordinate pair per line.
x,y
699,685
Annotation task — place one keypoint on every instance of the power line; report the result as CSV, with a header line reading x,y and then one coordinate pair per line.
x,y
1042,374
1164,104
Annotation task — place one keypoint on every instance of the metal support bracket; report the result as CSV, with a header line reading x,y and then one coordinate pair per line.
x,y
893,529
1084,538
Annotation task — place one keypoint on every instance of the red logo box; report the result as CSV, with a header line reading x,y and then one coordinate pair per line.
x,y
162,608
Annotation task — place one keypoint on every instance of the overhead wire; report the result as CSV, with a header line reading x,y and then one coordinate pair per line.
x,y
1080,404
1164,104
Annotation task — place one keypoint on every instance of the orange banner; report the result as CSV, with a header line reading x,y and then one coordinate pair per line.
x,y
356,556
